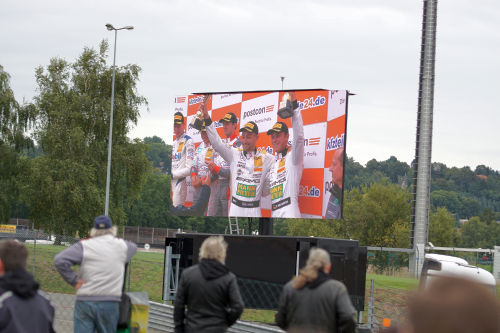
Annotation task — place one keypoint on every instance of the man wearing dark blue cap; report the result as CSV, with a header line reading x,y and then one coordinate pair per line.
x,y
99,280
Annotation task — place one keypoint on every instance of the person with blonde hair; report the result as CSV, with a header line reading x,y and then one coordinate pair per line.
x,y
313,301
209,291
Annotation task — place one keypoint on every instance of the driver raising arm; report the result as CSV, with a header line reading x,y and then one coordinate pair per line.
x,y
249,168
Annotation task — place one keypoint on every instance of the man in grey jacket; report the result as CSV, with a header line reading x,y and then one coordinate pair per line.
x,y
99,281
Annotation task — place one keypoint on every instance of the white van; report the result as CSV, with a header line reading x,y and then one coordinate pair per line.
x,y
441,265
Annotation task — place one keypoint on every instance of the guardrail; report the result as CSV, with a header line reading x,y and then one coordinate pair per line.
x,y
161,317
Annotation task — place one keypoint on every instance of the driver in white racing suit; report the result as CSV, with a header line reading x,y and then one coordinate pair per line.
x,y
249,168
182,161
204,155
286,172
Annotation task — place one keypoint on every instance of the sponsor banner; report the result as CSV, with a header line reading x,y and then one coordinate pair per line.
x,y
181,104
337,101
8,228
194,102
264,143
265,212
314,145
261,110
218,114
222,100
310,190
335,138
312,104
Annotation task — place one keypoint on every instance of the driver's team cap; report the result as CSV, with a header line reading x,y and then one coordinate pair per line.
x,y
229,117
250,127
178,118
278,128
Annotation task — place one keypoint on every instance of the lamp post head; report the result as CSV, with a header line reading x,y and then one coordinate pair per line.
x,y
129,27
110,27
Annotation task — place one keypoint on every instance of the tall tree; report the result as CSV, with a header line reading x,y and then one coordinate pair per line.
x,y
72,123
441,227
159,153
378,215
14,120
152,208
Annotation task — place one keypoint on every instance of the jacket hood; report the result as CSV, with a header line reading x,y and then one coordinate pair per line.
x,y
212,269
322,278
20,283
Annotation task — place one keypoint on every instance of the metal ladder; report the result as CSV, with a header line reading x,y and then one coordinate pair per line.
x,y
234,228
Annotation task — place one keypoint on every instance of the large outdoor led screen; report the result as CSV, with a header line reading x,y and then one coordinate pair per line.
x,y
260,154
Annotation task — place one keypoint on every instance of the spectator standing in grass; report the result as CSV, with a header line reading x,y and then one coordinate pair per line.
x,y
314,302
99,281
209,291
22,307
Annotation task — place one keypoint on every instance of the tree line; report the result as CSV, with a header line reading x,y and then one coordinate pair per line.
x,y
54,156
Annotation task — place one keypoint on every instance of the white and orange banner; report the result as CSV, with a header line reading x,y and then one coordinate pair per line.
x,y
324,115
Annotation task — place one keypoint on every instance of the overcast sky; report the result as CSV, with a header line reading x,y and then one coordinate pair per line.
x,y
370,47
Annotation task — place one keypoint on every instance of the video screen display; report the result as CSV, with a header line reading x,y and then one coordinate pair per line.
x,y
259,154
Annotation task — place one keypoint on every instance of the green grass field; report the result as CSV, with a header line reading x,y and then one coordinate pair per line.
x,y
147,275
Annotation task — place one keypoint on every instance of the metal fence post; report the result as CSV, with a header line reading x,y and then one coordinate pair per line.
x,y
34,253
496,262
371,305
166,275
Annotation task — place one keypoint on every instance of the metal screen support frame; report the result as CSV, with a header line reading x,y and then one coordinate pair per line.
x,y
170,275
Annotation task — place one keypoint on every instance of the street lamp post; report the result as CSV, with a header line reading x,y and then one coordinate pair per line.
x,y
110,139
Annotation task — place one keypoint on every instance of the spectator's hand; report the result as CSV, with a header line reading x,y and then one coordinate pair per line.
x,y
211,166
206,180
195,181
78,284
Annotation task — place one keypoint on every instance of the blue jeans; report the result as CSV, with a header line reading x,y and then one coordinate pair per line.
x,y
91,316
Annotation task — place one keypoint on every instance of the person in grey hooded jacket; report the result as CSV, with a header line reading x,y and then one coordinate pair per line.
x,y
209,291
314,302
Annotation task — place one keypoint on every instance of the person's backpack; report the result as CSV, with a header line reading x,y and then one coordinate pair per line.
x,y
125,306
125,311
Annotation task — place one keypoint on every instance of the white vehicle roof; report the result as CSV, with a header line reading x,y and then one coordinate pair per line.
x,y
442,257
457,267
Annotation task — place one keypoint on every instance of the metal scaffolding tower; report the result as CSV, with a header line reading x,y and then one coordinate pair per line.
x,y
423,150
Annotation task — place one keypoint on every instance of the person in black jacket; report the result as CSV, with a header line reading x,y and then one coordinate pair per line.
x,y
22,308
210,292
314,302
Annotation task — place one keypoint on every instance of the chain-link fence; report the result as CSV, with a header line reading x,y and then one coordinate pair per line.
x,y
144,272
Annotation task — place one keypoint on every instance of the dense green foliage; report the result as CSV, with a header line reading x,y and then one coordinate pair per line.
x,y
463,192
63,183
14,121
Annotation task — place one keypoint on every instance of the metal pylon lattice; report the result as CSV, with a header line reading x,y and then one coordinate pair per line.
x,y
234,228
